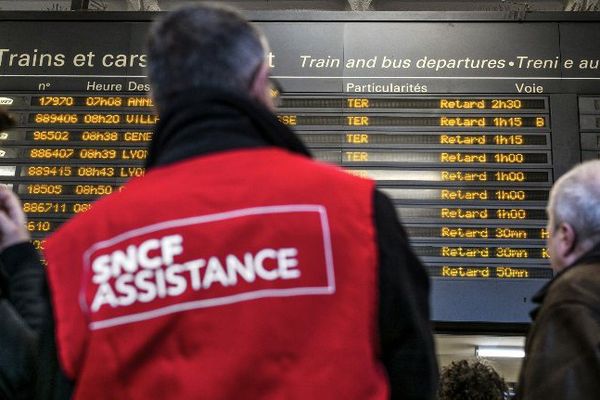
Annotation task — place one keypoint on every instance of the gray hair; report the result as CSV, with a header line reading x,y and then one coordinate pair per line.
x,y
203,45
575,199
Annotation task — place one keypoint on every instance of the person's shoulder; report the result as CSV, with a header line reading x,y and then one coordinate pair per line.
x,y
100,210
579,284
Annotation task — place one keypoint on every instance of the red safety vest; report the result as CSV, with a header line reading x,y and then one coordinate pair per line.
x,y
247,274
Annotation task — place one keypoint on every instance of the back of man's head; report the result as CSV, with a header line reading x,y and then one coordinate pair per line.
x,y
575,200
202,46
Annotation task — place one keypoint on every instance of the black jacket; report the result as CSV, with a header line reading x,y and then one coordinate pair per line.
x,y
22,311
197,124
563,345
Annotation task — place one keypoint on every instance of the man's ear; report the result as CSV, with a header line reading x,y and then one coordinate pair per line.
x,y
566,242
259,87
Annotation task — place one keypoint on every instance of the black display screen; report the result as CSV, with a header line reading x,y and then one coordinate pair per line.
x,y
465,125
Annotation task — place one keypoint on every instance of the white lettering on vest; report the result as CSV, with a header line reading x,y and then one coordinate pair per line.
x,y
148,271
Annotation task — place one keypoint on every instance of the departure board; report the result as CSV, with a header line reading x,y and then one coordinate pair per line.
x,y
470,175
465,125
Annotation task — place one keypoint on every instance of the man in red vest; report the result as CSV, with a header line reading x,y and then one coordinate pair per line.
x,y
237,267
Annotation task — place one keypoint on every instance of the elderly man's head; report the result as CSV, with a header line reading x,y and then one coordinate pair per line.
x,y
574,214
204,47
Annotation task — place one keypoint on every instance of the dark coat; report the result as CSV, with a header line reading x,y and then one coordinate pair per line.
x,y
17,354
563,345
22,310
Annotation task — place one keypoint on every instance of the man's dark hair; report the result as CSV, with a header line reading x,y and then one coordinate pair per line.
x,y
6,122
462,380
202,46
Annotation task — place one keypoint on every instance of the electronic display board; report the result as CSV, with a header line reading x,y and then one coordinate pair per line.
x,y
464,124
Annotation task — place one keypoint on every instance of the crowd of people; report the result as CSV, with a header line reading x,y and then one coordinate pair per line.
x,y
239,267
